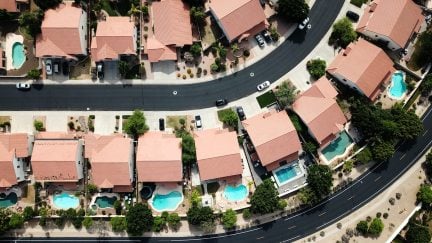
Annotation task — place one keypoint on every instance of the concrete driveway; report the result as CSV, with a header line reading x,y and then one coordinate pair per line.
x,y
164,70
111,70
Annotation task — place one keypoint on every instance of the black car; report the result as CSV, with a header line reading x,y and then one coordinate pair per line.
x,y
65,68
161,124
221,102
198,121
241,113
266,36
353,16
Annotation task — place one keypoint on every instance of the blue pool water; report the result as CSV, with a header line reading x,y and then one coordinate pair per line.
x,y
337,146
9,200
18,55
235,193
167,202
285,174
105,202
65,201
398,86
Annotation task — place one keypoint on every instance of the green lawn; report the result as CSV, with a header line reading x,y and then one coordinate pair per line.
x,y
358,3
222,113
266,99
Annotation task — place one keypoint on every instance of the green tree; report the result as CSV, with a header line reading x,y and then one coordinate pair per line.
x,y
123,68
222,52
4,220
246,213
230,118
136,124
28,213
34,74
274,33
174,221
46,4
139,219
198,16
343,33
424,195
364,156
348,166
307,196
196,50
320,179
376,227
16,221
38,125
362,227
5,16
382,151
417,234
285,94
316,68
424,46
188,149
426,86
32,21
195,197
159,224
282,204
118,224
87,222
117,206
92,189
265,198
293,10
229,219
197,214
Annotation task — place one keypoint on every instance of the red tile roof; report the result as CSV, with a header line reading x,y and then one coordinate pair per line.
x,y
319,110
397,19
11,146
156,51
364,64
273,136
238,17
9,5
159,158
17,143
218,154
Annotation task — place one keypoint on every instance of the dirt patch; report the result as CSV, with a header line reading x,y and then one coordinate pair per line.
x,y
79,123
174,122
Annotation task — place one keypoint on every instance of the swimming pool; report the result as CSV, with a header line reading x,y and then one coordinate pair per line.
x,y
105,202
337,146
18,55
235,193
167,202
65,201
9,200
398,87
285,174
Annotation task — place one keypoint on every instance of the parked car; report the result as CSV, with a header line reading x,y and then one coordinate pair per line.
x,y
100,70
56,67
93,73
65,68
260,40
198,122
304,23
161,124
266,36
263,85
353,16
241,113
48,66
221,102
23,86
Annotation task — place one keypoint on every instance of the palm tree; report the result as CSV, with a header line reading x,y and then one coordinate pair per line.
x,y
134,10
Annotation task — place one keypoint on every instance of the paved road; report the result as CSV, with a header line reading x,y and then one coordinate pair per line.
x,y
192,96
288,229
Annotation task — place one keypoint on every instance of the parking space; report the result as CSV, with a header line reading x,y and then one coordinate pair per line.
x,y
111,70
56,69
164,70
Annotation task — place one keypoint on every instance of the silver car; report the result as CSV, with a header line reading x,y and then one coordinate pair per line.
x,y
263,85
304,23
23,86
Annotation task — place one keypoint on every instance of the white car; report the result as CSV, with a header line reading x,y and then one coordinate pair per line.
x,y
304,23
264,85
22,86
48,67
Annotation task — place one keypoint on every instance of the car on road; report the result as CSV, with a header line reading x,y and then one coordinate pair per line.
x,y
198,122
23,86
260,40
161,124
48,67
353,16
241,113
304,23
263,85
221,102
266,36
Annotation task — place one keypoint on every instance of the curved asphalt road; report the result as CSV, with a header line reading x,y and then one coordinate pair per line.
x,y
312,220
192,96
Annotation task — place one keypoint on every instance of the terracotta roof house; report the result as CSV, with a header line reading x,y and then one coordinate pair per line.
x,y
64,33
172,29
218,155
58,161
14,6
363,67
318,109
238,19
15,148
112,162
393,22
115,36
274,137
159,158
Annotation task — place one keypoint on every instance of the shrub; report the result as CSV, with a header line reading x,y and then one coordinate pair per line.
x,y
376,227
118,207
316,68
118,224
159,223
378,215
28,213
246,213
214,67
362,227
189,71
385,215
343,33
87,222
174,221
92,189
364,156
229,219
38,125
184,76
246,53
282,204
71,125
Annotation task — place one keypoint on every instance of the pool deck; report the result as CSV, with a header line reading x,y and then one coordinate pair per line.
x,y
222,204
11,39
294,184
